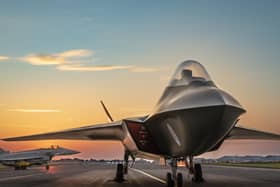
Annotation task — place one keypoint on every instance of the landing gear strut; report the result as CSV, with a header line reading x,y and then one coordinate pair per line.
x,y
126,155
174,178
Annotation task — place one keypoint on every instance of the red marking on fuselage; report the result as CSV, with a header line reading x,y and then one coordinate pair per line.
x,y
142,137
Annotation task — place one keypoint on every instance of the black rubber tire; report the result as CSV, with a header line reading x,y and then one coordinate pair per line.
x,y
197,173
179,180
170,182
119,174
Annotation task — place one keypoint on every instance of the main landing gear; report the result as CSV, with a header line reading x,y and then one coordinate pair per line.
x,y
123,168
195,170
120,173
176,179
197,174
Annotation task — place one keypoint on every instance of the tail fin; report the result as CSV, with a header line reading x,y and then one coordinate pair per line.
x,y
106,111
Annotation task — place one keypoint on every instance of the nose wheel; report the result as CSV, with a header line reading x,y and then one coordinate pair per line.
x,y
179,180
171,182
174,178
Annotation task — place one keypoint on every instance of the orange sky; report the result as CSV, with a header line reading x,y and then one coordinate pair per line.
x,y
67,107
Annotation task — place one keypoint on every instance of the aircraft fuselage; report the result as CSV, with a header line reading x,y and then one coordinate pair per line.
x,y
187,121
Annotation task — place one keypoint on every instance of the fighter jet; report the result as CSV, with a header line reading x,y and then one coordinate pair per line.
x,y
193,116
23,159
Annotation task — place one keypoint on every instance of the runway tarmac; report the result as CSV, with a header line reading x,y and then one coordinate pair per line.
x,y
85,175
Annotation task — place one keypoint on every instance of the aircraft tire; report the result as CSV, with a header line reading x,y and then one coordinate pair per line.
x,y
119,174
170,181
179,180
197,174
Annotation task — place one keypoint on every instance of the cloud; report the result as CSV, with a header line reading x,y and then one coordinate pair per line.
x,y
41,59
82,68
56,58
143,69
4,58
78,60
35,110
90,68
76,53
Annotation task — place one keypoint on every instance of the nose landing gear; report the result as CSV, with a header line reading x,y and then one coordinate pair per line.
x,y
174,178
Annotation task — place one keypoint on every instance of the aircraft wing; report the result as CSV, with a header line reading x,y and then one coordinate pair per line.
x,y
244,133
19,158
107,131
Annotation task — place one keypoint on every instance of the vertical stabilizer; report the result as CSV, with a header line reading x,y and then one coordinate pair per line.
x,y
107,112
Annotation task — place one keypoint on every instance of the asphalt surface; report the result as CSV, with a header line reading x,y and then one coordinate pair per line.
x,y
85,175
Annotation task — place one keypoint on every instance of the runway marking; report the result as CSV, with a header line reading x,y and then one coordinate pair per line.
x,y
149,175
19,177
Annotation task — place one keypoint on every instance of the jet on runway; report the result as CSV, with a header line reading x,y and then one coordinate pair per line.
x,y
193,116
24,159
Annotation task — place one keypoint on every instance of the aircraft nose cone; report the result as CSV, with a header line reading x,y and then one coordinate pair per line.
x,y
76,152
71,152
194,122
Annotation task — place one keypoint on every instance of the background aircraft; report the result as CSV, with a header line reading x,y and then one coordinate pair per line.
x,y
193,116
24,159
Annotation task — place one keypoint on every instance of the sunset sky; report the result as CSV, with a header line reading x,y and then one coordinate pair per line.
x,y
59,58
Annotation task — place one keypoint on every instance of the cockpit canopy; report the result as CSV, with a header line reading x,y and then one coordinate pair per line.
x,y
54,147
188,72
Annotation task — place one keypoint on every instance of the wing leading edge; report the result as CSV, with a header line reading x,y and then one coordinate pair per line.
x,y
244,133
20,158
108,131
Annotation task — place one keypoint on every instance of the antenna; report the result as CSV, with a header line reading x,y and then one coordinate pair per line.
x,y
106,111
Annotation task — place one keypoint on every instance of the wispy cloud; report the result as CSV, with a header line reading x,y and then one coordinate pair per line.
x,y
76,53
143,69
35,110
4,57
90,68
78,60
41,59
56,58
